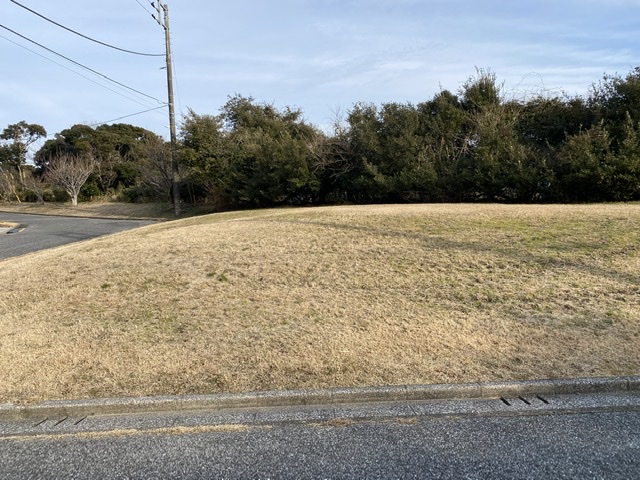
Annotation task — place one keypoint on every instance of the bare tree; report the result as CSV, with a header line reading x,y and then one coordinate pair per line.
x,y
8,185
333,153
70,172
155,166
37,185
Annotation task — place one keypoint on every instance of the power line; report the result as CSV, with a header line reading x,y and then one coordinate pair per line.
x,y
125,116
177,87
145,8
81,65
173,64
139,102
86,37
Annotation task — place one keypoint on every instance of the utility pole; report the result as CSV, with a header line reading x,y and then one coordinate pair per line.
x,y
163,12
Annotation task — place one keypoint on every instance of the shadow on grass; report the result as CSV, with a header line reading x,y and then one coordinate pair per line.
x,y
512,252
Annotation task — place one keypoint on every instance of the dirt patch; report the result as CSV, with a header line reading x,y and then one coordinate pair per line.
x,y
6,227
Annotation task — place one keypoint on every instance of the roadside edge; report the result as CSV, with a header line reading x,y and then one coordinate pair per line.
x,y
481,390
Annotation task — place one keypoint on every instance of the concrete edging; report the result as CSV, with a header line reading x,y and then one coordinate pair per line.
x,y
75,408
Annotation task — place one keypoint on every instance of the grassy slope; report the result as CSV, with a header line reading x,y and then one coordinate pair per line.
x,y
326,297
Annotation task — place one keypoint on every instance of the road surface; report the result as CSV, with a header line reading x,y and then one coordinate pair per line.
x,y
566,436
40,232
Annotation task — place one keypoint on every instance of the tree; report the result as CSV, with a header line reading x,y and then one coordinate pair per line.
x,y
547,122
444,128
585,164
625,178
500,166
406,159
481,91
70,172
118,150
205,153
269,152
20,136
333,160
496,164
156,168
367,182
37,185
8,188
615,98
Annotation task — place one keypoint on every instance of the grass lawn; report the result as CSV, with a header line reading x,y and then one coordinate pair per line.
x,y
326,297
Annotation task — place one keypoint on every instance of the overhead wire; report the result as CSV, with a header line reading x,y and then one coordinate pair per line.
x,y
177,83
105,77
139,102
81,65
85,36
125,116
145,8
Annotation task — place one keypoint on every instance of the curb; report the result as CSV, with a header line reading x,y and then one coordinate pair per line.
x,y
287,398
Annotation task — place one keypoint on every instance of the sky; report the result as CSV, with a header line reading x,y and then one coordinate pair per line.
x,y
320,56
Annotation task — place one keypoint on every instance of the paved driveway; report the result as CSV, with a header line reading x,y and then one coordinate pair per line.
x,y
40,232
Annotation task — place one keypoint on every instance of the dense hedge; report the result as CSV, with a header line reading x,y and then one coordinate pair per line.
x,y
474,145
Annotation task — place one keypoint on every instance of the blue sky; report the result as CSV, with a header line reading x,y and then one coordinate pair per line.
x,y
321,56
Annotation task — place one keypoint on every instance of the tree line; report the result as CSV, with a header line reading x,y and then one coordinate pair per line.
x,y
474,145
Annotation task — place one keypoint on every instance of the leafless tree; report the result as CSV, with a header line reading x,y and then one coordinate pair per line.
x,y
155,166
70,172
37,185
333,152
8,188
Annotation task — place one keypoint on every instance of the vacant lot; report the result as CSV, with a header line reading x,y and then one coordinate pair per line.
x,y
326,297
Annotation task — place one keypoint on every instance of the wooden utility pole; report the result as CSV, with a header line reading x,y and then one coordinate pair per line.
x,y
163,12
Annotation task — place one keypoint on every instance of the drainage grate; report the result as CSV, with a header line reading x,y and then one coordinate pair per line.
x,y
513,402
55,422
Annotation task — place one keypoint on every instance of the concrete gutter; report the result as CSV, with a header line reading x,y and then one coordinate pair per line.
x,y
74,408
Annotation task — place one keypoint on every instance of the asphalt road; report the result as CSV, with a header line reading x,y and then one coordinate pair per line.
x,y
41,232
567,436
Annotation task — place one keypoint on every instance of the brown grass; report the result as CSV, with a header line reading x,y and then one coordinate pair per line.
x,y
326,297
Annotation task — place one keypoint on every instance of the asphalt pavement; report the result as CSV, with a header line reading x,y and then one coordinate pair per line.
x,y
39,232
571,436
565,429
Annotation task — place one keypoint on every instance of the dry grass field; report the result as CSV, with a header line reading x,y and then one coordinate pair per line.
x,y
326,297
